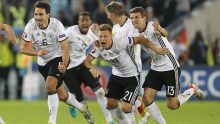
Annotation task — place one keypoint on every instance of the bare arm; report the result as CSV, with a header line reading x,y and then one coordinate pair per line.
x,y
8,29
24,49
88,63
159,30
66,52
148,44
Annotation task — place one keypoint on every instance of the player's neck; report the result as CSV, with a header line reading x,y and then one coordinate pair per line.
x,y
143,27
45,25
122,20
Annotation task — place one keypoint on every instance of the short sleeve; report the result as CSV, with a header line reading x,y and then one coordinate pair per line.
x,y
124,42
27,34
95,52
61,31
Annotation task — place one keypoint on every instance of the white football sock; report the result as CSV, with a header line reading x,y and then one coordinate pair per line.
x,y
100,95
130,117
53,103
119,115
155,112
185,95
73,102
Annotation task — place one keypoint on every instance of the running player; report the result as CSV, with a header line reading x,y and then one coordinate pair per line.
x,y
124,81
80,39
50,44
165,70
122,26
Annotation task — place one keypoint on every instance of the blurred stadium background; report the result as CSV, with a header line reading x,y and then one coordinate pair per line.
x,y
193,27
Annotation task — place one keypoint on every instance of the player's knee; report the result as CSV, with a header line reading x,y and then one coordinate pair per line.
x,y
100,92
126,108
63,96
49,87
172,106
111,104
147,100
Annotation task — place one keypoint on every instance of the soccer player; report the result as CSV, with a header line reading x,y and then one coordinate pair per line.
x,y
9,30
122,26
50,44
80,39
123,84
165,69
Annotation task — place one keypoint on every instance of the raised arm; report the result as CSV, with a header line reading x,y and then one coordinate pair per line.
x,y
8,29
24,49
159,30
148,44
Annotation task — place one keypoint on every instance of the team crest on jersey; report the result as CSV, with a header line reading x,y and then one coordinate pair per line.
x,y
110,54
44,34
50,34
116,52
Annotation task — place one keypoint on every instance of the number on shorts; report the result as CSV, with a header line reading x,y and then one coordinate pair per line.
x,y
127,96
170,90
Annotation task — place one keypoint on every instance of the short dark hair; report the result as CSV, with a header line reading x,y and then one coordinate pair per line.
x,y
86,14
116,8
140,10
105,27
43,5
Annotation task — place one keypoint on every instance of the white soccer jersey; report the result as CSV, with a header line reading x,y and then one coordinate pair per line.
x,y
160,62
121,56
125,31
79,43
48,38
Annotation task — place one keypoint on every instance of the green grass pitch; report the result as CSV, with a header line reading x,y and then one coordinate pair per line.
x,y
36,112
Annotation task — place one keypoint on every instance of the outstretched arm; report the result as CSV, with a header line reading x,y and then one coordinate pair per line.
x,y
159,30
148,44
8,29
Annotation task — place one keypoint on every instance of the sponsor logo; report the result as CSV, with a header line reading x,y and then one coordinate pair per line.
x,y
24,35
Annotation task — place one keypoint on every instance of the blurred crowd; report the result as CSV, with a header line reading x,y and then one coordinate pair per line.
x,y
18,12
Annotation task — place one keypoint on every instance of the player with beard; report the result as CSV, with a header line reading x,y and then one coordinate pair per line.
x,y
80,39
49,42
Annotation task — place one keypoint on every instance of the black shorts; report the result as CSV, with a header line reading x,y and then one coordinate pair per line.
x,y
170,79
73,78
51,69
123,88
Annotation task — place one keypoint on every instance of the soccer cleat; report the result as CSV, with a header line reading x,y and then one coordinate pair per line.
x,y
140,107
87,114
197,92
50,123
72,111
144,119
112,122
